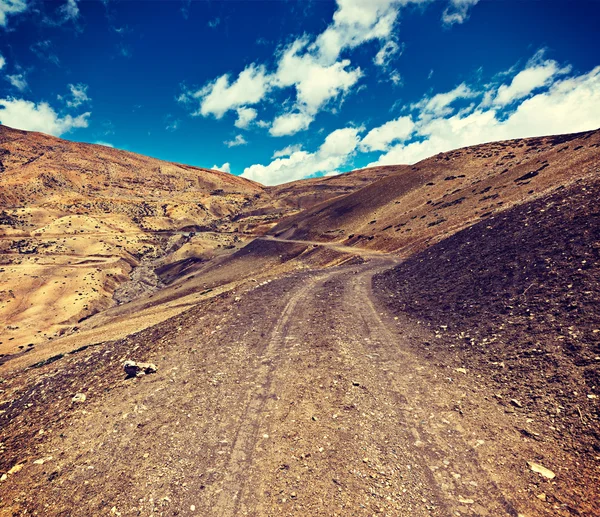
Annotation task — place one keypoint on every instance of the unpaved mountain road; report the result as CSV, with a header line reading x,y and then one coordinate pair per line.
x,y
333,245
301,397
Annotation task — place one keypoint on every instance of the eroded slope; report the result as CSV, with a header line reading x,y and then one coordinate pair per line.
x,y
419,205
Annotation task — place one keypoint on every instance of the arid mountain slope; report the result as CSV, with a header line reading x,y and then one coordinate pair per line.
x,y
417,205
83,178
292,198
515,299
307,193
75,219
457,375
83,227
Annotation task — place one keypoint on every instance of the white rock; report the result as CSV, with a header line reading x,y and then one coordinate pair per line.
x,y
540,469
79,397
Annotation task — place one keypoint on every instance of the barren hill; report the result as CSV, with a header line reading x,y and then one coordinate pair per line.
x,y
83,227
421,204
407,340
77,177
76,218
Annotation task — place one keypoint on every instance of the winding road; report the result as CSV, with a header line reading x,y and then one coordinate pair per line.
x,y
300,397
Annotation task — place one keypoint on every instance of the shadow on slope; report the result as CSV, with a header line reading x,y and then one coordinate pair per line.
x,y
416,206
515,298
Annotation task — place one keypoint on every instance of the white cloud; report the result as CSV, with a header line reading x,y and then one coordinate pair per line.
x,y
457,11
220,96
78,95
290,124
315,83
69,10
527,81
309,65
567,105
2,61
22,114
386,52
245,117
10,7
105,144
380,138
226,167
287,151
18,81
238,140
440,104
336,150
396,78
356,22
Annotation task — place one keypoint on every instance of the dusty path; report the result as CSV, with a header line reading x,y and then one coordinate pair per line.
x,y
333,245
301,398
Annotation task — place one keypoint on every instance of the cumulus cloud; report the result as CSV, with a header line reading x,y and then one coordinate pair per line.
x,y
287,151
457,12
105,144
290,123
238,140
226,167
2,62
356,22
315,83
11,7
23,114
310,66
220,96
440,104
335,151
565,105
245,117
380,138
529,80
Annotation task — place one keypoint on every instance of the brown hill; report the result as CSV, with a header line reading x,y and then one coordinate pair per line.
x,y
303,194
76,218
514,299
83,227
420,204
75,177
294,197
307,378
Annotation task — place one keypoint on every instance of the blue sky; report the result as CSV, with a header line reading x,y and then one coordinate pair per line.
x,y
282,90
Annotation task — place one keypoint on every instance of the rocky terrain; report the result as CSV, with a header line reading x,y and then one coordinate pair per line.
x,y
403,340
412,207
83,227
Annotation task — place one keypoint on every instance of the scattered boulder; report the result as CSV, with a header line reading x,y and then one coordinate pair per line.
x,y
16,468
79,397
133,369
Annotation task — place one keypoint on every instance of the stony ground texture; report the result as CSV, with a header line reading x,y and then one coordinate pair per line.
x,y
304,396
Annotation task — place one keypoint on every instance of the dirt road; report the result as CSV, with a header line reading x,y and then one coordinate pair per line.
x,y
300,397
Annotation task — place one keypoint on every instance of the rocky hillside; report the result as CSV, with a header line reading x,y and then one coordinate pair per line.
x,y
515,298
38,169
419,205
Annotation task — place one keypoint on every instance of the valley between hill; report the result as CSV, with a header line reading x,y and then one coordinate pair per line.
x,y
410,340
